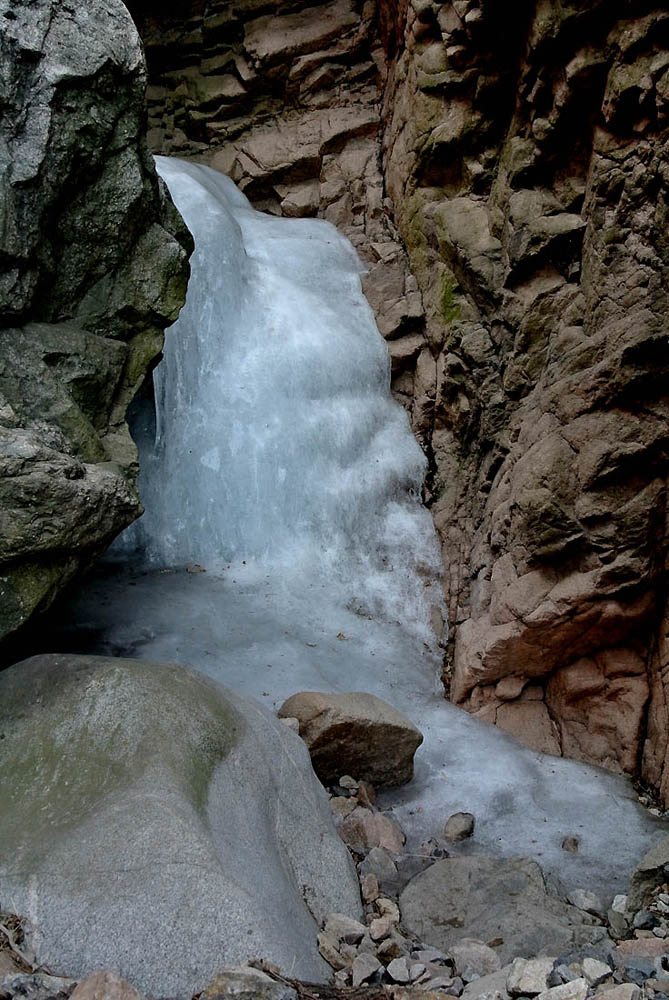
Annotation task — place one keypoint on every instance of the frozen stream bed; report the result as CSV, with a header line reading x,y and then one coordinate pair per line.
x,y
255,635
276,458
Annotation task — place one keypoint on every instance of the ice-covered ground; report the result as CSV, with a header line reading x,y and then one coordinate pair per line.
x,y
278,460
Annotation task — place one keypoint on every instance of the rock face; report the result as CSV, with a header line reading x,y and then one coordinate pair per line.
x,y
170,825
525,161
93,266
355,733
481,897
522,162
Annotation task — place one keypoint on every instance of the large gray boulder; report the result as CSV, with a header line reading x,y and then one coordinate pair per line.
x,y
156,823
489,898
93,267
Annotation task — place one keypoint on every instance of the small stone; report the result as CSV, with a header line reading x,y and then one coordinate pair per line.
x,y
595,972
529,976
363,968
366,793
398,970
387,908
459,826
644,920
660,932
369,887
430,955
576,990
379,928
291,724
328,947
416,970
394,946
342,976
344,928
619,904
472,959
341,806
346,781
587,901
379,862
625,991
36,985
363,829
571,843
231,983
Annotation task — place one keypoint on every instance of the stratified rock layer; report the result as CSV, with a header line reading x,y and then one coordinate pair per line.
x,y
524,162
171,825
93,266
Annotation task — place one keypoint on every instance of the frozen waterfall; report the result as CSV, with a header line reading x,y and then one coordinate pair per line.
x,y
276,440
278,461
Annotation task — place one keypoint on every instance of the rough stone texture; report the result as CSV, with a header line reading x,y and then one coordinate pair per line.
x,y
244,983
128,790
355,733
651,872
465,897
526,158
523,161
93,266
105,985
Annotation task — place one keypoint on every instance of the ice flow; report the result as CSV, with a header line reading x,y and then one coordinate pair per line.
x,y
280,463
276,438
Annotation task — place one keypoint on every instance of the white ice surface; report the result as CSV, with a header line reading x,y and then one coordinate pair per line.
x,y
282,465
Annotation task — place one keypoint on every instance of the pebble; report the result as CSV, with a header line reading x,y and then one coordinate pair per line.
x,y
587,901
595,972
363,968
576,990
529,976
459,826
571,843
398,970
369,887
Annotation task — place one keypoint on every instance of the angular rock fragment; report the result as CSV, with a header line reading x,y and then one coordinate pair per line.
x,y
356,733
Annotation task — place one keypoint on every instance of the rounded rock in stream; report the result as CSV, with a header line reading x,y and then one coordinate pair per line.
x,y
159,824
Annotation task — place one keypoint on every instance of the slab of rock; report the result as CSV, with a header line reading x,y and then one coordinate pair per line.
x,y
651,871
356,733
577,989
127,790
473,959
363,968
494,984
527,977
460,897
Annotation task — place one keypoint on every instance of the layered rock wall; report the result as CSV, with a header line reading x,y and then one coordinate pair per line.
x,y
521,162
93,266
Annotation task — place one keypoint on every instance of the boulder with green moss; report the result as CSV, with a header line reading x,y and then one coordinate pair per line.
x,y
158,824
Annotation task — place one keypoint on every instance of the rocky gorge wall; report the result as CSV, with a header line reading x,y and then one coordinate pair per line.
x,y
93,267
505,180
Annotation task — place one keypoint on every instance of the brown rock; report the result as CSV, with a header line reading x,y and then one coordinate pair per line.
x,y
105,985
363,829
355,732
